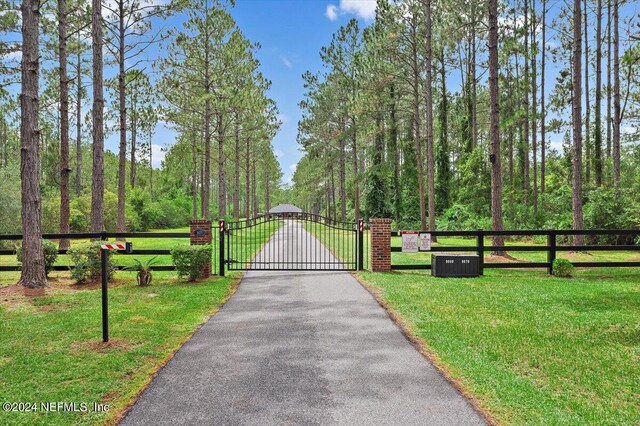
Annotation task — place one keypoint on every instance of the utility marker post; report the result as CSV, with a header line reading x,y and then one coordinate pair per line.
x,y
105,300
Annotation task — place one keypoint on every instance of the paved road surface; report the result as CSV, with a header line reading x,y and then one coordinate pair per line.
x,y
300,348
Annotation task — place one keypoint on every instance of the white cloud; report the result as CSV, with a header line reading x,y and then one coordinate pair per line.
x,y
287,63
332,12
282,118
278,153
293,167
365,9
628,130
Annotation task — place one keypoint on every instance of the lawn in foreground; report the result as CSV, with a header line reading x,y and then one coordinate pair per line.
x,y
533,349
51,348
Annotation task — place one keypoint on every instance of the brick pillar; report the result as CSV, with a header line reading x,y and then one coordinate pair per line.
x,y
200,234
380,245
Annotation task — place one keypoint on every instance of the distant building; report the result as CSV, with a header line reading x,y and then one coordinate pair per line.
x,y
287,211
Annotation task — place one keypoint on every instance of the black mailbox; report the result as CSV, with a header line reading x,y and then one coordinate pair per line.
x,y
455,265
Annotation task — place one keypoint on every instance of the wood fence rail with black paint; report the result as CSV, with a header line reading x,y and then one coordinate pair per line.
x,y
104,236
551,248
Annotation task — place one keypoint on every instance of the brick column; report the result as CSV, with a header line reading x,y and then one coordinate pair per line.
x,y
380,245
200,234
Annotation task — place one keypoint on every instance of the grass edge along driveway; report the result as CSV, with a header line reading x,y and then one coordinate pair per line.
x,y
529,349
51,348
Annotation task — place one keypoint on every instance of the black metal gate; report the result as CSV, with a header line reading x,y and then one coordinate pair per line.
x,y
291,242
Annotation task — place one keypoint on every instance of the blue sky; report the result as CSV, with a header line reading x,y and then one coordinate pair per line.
x,y
291,33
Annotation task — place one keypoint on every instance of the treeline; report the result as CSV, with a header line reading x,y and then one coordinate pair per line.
x,y
440,115
75,72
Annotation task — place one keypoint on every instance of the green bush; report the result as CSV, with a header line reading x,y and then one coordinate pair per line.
x,y
563,268
190,260
50,255
85,259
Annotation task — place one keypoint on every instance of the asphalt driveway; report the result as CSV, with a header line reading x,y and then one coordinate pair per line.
x,y
293,348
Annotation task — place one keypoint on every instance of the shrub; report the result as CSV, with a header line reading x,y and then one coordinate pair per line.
x,y
86,261
191,260
144,275
50,255
563,268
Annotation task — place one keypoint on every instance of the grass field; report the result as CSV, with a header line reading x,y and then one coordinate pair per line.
x,y
532,349
51,346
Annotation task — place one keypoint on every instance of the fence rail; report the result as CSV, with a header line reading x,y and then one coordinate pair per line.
x,y
103,236
551,248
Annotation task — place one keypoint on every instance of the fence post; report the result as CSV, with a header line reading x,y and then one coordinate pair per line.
x,y
221,247
105,300
480,244
360,245
200,234
551,250
380,244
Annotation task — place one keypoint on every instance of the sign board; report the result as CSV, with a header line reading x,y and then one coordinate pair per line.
x,y
410,241
424,243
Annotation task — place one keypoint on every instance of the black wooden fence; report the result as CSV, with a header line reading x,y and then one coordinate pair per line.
x,y
105,236
551,248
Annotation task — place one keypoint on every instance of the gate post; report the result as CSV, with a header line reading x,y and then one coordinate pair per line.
x,y
380,245
221,245
200,234
360,244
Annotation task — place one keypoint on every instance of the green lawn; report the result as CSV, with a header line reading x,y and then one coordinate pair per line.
x,y
533,349
51,347
51,343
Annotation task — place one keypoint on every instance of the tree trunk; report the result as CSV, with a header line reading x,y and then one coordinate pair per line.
x,y
151,163
616,96
525,142
343,177
97,178
494,120
254,186
222,184
587,140
202,208
597,164
194,176
471,77
609,73
247,181
356,186
122,151
78,182
534,93
236,167
429,116
267,190
416,127
442,157
393,154
543,119
577,121
134,141
33,272
64,123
